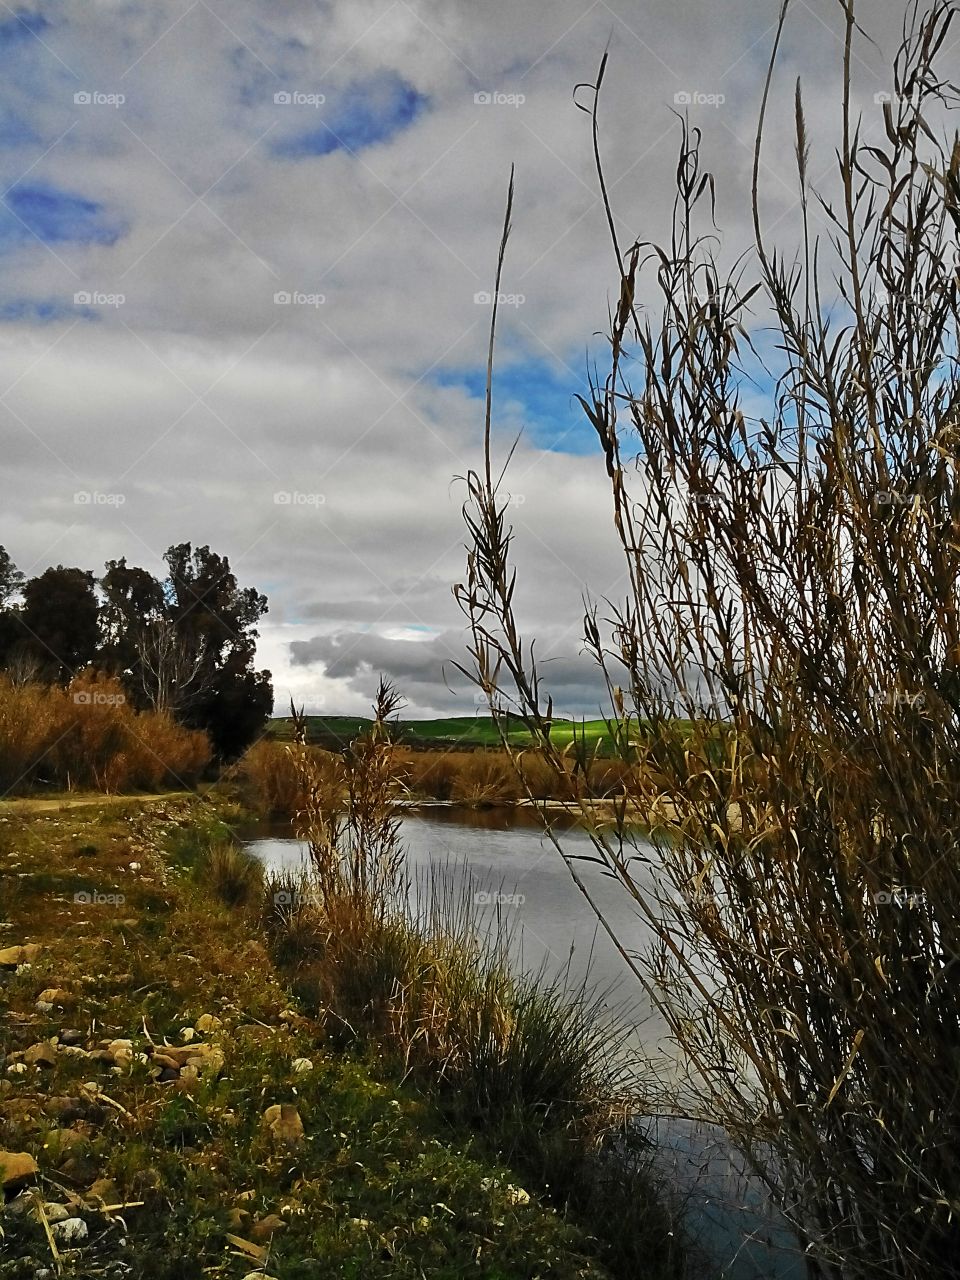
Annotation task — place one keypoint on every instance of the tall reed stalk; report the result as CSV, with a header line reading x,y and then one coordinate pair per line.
x,y
794,601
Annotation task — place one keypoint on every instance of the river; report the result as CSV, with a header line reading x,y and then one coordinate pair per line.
x,y
500,867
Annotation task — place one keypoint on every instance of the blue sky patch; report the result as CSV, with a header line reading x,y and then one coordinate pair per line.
x,y
363,115
43,310
21,25
55,217
536,395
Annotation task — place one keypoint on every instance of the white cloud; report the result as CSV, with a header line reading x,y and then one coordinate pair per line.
x,y
199,397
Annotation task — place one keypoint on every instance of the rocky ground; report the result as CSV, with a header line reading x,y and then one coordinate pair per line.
x,y
167,1111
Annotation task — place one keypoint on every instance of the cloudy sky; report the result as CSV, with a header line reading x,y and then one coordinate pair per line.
x,y
245,247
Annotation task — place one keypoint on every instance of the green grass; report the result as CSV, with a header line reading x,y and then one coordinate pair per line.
x,y
385,1183
453,731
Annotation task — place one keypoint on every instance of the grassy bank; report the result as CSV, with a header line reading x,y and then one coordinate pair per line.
x,y
172,1084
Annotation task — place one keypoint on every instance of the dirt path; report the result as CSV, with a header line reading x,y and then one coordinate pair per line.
x,y
57,804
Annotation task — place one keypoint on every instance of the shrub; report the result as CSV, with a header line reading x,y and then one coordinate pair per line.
x,y
88,736
235,874
271,773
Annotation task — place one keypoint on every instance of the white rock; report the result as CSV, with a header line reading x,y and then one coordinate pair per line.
x,y
122,1051
70,1230
302,1066
187,1034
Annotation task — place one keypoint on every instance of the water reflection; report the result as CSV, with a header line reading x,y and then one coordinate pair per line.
x,y
499,866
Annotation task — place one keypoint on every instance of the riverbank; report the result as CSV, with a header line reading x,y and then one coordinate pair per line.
x,y
172,1106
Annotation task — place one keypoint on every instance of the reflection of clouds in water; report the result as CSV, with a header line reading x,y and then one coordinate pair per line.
x,y
454,859
497,870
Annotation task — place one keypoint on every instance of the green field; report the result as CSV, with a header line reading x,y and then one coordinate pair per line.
x,y
467,732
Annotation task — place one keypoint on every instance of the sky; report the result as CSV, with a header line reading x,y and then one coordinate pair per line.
x,y
247,254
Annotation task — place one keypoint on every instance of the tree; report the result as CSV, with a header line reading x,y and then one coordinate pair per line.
x,y
173,674
11,579
60,621
133,603
11,582
215,622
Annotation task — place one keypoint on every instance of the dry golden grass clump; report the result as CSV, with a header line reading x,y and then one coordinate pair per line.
x,y
271,773
87,736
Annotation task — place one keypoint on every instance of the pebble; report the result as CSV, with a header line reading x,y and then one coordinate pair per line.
x,y
284,1124
16,1169
70,1230
302,1066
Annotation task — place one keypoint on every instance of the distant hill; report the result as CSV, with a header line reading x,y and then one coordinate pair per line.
x,y
454,732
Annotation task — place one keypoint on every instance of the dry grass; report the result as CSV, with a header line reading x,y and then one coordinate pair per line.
x,y
794,596
487,778
271,776
87,737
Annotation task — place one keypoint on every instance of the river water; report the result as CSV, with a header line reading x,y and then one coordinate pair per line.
x,y
501,868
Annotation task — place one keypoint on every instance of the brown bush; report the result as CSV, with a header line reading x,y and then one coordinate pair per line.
x,y
273,779
87,736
